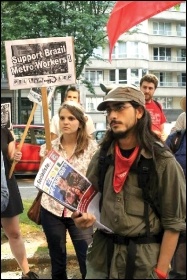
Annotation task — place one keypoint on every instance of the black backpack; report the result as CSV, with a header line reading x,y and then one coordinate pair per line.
x,y
176,140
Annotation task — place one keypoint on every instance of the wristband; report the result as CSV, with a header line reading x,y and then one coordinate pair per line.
x,y
160,274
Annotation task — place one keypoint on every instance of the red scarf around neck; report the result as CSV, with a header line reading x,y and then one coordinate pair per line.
x,y
122,167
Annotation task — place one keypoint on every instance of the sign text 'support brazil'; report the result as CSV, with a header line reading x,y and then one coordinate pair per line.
x,y
40,62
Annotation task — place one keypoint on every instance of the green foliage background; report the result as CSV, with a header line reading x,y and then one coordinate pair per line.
x,y
84,20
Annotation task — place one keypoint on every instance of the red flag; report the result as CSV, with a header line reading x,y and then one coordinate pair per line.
x,y
127,14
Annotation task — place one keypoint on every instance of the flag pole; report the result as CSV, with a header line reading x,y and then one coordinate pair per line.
x,y
46,118
19,147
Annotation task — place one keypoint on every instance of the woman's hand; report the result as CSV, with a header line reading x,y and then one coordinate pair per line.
x,y
83,220
17,155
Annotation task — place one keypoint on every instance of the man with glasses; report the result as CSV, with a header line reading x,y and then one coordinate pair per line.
x,y
73,94
142,243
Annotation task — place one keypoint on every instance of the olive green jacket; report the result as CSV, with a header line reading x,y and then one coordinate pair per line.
x,y
123,212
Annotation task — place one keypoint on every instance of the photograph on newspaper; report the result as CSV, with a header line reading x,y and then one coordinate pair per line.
x,y
60,180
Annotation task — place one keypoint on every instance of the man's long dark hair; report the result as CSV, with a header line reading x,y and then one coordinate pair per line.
x,y
146,138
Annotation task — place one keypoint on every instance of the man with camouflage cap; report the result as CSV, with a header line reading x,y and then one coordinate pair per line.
x,y
144,237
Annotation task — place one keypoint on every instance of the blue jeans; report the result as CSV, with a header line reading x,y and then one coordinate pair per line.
x,y
55,230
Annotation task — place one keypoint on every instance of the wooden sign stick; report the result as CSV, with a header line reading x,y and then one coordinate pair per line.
x,y
23,138
46,118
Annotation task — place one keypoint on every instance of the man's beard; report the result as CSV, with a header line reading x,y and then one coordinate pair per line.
x,y
123,134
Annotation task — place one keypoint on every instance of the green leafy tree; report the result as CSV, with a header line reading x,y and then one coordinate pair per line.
x,y
83,20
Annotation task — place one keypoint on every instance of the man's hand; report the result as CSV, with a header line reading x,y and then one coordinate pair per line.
x,y
83,220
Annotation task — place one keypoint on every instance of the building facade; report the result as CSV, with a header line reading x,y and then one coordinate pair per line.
x,y
158,46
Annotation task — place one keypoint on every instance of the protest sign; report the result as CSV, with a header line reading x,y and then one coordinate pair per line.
x,y
60,180
6,115
35,95
41,62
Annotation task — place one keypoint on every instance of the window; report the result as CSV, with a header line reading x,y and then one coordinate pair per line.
x,y
18,132
98,52
181,29
94,76
162,28
112,75
92,103
39,136
114,55
122,50
119,50
122,76
133,50
166,102
181,55
181,80
134,76
165,79
99,135
25,110
161,53
144,72
91,106
114,78
34,135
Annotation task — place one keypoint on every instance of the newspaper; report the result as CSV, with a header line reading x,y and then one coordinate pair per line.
x,y
60,180
6,115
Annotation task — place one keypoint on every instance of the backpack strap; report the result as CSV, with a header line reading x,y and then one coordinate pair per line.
x,y
176,140
158,104
145,169
103,164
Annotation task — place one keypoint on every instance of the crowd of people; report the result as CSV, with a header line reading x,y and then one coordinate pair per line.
x,y
147,219
145,238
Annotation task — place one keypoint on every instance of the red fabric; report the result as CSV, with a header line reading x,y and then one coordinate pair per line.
x,y
157,116
127,14
160,274
122,167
